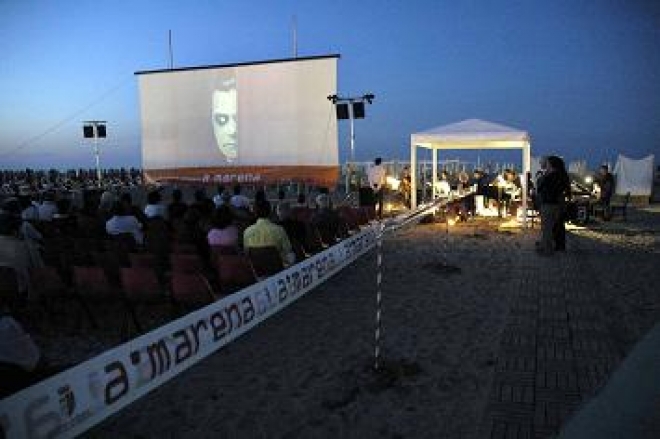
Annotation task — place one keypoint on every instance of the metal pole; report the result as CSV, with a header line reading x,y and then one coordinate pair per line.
x,y
352,144
379,279
97,155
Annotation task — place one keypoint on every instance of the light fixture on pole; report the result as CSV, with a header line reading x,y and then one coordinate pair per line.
x,y
95,129
351,108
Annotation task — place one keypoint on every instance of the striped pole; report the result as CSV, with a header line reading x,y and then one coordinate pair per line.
x,y
379,279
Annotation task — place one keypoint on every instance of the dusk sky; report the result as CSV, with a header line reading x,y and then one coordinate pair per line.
x,y
582,77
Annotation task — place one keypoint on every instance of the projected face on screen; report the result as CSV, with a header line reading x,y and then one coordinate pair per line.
x,y
224,120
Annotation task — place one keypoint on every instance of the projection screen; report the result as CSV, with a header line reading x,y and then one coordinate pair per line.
x,y
252,122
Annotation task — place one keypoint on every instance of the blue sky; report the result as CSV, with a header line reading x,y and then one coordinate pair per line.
x,y
583,77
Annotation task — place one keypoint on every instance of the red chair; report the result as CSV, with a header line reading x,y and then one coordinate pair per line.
x,y
190,291
234,272
219,250
141,287
51,290
142,260
186,263
93,288
184,248
266,261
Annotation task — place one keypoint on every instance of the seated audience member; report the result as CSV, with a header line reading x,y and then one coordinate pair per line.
x,y
326,220
47,208
126,201
14,251
105,204
154,207
29,210
19,357
301,200
177,208
238,200
295,229
223,232
123,221
266,234
218,198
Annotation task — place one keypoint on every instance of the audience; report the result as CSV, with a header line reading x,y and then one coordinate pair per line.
x,y
266,234
47,208
177,208
223,232
123,221
154,207
238,200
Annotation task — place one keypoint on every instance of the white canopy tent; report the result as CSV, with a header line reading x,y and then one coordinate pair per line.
x,y
469,134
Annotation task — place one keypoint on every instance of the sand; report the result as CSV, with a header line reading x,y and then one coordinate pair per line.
x,y
306,372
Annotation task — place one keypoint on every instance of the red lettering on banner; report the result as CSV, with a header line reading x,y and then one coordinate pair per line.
x,y
117,386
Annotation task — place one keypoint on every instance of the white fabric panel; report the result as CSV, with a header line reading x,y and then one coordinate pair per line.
x,y
258,114
634,176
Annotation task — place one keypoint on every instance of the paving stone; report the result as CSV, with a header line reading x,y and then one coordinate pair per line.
x,y
519,363
550,415
558,332
511,430
554,351
565,380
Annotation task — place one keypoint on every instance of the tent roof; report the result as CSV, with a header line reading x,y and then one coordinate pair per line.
x,y
469,131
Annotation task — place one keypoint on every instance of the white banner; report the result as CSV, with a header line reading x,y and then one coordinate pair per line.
x,y
73,401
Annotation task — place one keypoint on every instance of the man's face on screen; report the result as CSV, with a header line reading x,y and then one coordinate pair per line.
x,y
224,122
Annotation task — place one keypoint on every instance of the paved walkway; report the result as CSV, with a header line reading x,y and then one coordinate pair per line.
x,y
563,337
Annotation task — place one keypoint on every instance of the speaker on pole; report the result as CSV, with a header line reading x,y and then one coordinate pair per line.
x,y
358,110
100,131
88,131
342,111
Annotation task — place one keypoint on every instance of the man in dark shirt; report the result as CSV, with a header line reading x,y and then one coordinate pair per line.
x,y
605,181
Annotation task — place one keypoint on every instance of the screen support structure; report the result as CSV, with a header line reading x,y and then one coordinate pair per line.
x,y
95,129
349,101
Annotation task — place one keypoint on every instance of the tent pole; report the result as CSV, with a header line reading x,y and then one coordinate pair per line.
x,y
434,170
413,176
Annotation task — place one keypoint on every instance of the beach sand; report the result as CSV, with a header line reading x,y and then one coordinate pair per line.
x,y
306,372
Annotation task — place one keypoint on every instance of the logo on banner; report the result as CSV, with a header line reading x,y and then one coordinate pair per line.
x,y
67,401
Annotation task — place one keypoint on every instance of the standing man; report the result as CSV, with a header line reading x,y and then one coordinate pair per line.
x,y
377,182
605,182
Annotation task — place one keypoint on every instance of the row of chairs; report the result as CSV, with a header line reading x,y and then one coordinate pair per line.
x,y
95,272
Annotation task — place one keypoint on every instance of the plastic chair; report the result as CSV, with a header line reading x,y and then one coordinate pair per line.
x,y
10,294
186,263
266,261
234,272
190,291
140,286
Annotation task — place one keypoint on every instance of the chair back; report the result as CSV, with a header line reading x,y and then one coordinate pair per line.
x,y
234,272
266,261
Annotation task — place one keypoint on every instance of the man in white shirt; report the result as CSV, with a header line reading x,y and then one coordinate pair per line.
x,y
376,175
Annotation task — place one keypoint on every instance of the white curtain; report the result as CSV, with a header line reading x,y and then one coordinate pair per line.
x,y
634,176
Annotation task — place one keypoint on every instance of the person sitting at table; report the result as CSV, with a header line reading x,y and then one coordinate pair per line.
x,y
442,186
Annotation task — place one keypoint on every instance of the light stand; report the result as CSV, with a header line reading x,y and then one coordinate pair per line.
x,y
351,108
95,129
